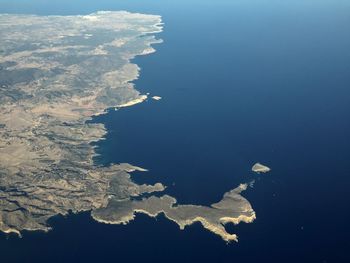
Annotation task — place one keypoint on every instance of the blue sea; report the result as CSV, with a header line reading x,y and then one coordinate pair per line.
x,y
241,81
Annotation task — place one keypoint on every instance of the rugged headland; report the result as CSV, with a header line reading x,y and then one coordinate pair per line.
x,y
56,73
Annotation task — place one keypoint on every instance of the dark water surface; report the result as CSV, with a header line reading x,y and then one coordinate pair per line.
x,y
241,81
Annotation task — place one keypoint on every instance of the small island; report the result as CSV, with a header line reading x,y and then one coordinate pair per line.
x,y
156,97
260,168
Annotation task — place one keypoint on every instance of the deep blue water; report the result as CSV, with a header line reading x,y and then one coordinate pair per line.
x,y
241,81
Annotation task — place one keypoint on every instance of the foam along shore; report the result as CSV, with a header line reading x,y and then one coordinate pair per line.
x,y
131,168
260,168
140,99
